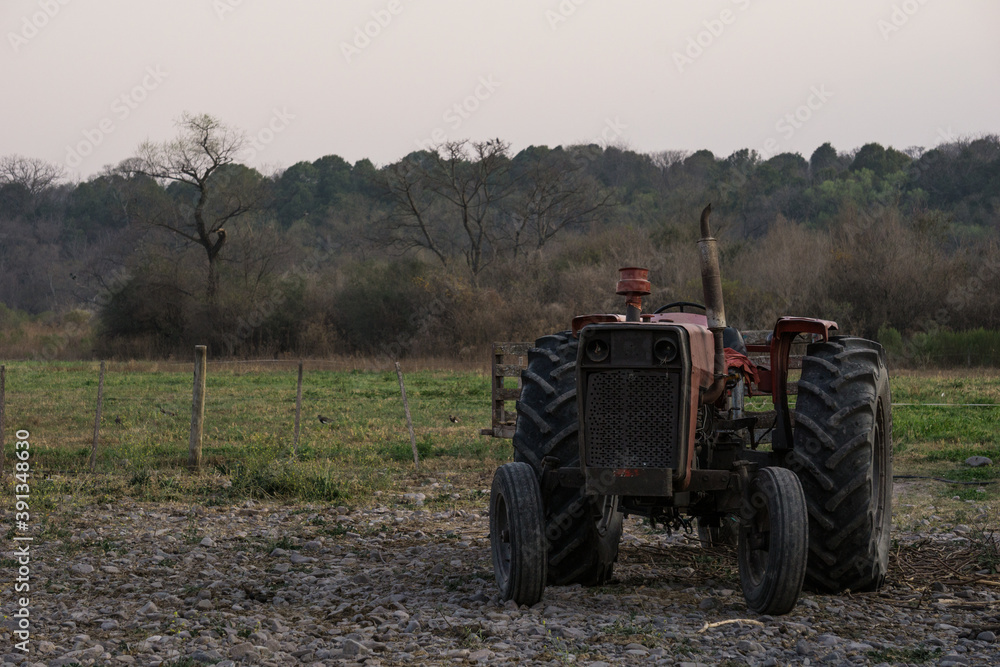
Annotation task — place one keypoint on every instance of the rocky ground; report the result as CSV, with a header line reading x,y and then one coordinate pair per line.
x,y
409,581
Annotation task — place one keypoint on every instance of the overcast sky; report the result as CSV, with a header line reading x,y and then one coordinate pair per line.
x,y
84,82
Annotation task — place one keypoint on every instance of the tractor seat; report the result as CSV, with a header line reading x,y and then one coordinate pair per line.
x,y
733,339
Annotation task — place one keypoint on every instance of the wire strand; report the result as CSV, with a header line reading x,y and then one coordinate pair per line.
x,y
942,479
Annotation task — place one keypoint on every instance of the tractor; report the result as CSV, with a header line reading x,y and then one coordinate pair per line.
x,y
646,414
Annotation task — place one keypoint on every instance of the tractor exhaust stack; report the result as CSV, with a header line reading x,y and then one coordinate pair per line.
x,y
711,282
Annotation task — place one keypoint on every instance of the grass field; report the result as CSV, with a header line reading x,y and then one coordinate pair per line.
x,y
250,421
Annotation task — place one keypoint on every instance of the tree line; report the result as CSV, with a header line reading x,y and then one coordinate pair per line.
x,y
450,248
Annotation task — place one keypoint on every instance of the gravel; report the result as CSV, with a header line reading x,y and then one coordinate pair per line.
x,y
404,583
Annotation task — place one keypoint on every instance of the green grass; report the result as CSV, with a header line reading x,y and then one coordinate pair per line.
x,y
937,440
968,430
249,427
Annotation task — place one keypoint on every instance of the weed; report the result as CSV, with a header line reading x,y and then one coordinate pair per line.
x,y
630,628
261,478
191,534
986,544
140,479
284,543
403,451
468,636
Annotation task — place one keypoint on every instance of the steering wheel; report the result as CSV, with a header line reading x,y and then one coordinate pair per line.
x,y
681,305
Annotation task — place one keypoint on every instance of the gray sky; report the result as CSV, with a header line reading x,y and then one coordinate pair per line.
x,y
85,82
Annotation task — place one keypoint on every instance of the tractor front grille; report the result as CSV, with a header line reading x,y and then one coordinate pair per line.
x,y
631,419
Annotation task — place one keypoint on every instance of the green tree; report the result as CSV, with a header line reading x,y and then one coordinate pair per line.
x,y
880,161
333,179
823,163
871,157
295,193
100,205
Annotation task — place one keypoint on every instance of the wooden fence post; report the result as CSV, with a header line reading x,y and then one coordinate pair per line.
x,y
197,409
298,412
97,418
409,421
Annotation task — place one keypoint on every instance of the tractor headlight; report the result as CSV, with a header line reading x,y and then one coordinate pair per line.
x,y
597,350
665,350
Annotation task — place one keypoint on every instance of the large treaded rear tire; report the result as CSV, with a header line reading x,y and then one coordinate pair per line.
x,y
582,531
843,456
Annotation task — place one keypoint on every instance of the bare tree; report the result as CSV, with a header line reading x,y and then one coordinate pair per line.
x,y
201,160
35,175
663,160
555,193
450,197
472,177
411,222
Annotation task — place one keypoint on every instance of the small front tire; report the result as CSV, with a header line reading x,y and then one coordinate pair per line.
x,y
773,542
517,534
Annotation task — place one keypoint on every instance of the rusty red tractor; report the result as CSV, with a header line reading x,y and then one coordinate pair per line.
x,y
644,414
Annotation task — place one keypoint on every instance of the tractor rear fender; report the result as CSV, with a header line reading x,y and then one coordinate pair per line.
x,y
775,379
580,321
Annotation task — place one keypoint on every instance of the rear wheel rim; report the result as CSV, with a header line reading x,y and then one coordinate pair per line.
x,y
880,490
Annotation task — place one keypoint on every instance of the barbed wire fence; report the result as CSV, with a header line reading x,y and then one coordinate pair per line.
x,y
114,399
113,404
